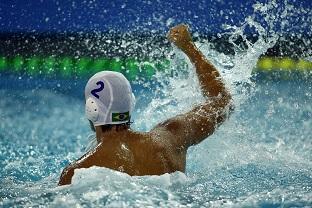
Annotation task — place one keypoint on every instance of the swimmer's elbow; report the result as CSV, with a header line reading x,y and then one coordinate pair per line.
x,y
227,98
231,107
223,107
228,106
222,101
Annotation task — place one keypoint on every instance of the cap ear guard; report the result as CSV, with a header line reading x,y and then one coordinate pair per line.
x,y
92,110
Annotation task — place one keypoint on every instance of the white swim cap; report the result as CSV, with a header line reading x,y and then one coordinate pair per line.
x,y
109,98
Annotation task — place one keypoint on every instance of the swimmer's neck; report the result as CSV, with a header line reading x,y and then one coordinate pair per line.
x,y
108,134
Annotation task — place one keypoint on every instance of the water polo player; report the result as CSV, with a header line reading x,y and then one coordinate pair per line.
x,y
109,103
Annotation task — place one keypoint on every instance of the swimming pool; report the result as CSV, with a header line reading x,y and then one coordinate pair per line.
x,y
260,157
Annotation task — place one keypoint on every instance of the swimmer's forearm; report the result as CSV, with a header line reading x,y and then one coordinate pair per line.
x,y
208,75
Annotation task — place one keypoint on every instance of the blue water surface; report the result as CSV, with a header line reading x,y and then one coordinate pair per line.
x,y
260,157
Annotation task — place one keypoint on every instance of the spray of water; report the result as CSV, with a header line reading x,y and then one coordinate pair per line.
x,y
179,89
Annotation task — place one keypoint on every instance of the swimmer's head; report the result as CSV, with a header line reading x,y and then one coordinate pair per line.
x,y
109,99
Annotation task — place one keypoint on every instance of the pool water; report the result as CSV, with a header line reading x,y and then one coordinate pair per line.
x,y
260,157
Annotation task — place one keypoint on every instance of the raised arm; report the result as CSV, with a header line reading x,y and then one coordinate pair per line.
x,y
196,125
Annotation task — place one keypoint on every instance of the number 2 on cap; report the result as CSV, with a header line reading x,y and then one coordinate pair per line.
x,y
95,91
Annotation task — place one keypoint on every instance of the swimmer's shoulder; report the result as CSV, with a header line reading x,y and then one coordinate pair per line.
x,y
154,139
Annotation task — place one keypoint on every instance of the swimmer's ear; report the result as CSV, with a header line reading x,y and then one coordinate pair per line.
x,y
91,126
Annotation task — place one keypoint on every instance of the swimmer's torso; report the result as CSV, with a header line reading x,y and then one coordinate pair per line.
x,y
136,154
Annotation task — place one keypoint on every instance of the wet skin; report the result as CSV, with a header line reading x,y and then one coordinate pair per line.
x,y
163,149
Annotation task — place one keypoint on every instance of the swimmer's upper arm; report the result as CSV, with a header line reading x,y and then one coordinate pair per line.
x,y
86,161
194,126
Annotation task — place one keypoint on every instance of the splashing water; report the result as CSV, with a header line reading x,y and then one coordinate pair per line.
x,y
260,157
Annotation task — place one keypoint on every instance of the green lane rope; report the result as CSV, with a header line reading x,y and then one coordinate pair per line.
x,y
85,66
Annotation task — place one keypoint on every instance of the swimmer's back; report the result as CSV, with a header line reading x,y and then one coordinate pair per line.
x,y
136,153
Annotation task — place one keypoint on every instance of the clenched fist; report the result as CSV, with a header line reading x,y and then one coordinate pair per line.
x,y
180,36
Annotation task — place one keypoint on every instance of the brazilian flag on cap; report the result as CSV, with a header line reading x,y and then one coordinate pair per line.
x,y
117,117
